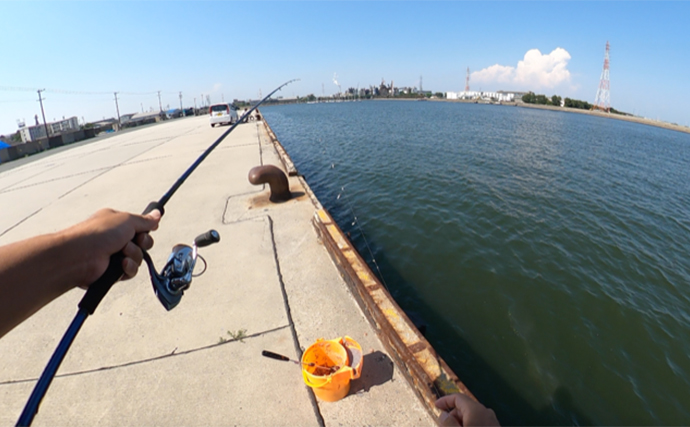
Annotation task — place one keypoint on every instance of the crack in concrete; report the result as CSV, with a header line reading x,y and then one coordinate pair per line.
x,y
52,180
298,347
20,222
174,353
104,171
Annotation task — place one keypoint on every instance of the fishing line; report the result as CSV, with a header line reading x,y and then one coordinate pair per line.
x,y
97,290
332,166
361,231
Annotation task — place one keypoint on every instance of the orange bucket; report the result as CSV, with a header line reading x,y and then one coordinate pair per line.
x,y
337,362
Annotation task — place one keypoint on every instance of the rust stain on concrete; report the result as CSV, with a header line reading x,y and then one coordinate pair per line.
x,y
261,200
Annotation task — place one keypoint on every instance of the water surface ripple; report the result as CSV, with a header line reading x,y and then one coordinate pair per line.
x,y
546,252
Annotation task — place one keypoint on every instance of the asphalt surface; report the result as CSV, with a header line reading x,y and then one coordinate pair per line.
x,y
269,285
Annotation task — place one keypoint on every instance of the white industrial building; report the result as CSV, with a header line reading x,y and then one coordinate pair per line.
x,y
499,96
33,133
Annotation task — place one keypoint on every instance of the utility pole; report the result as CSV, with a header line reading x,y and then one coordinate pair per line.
x,y
45,125
183,114
202,100
117,108
160,106
195,106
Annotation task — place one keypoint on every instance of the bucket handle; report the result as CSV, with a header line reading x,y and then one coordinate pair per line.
x,y
312,384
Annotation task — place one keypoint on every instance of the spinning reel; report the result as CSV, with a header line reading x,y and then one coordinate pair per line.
x,y
177,273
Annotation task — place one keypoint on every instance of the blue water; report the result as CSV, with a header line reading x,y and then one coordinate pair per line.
x,y
547,253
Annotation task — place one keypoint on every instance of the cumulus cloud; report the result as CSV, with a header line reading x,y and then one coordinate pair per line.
x,y
535,71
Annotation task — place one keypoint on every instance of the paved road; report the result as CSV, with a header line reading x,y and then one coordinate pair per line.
x,y
136,364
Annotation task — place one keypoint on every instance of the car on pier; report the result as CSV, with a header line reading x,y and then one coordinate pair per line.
x,y
222,113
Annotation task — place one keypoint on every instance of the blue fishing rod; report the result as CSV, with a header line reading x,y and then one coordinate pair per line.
x,y
169,285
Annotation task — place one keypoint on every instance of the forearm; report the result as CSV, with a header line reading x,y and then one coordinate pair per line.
x,y
34,272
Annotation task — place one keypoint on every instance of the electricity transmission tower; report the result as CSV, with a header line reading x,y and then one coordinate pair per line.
x,y
603,99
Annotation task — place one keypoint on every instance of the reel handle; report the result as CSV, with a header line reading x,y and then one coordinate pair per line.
x,y
208,238
98,289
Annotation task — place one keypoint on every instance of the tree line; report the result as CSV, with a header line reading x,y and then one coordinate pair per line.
x,y
532,98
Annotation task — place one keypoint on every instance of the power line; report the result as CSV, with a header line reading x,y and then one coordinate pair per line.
x,y
18,89
68,92
76,92
138,93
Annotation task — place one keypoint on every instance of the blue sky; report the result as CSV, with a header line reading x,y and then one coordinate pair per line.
x,y
237,49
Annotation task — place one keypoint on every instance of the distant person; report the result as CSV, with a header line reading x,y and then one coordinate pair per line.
x,y
461,410
35,271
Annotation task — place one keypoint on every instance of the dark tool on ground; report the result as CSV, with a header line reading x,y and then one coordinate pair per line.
x,y
168,285
329,369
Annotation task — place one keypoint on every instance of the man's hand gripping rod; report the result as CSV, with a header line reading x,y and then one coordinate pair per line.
x,y
98,289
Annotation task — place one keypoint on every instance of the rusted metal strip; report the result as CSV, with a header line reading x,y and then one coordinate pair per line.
x,y
416,348
425,370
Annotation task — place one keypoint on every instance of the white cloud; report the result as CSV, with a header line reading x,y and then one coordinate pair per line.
x,y
217,86
535,71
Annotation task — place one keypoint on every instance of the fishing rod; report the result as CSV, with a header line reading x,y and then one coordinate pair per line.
x,y
168,285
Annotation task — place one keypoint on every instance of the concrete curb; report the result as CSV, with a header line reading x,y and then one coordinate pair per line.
x,y
284,158
426,372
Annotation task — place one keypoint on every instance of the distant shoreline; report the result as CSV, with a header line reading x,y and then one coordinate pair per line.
x,y
640,120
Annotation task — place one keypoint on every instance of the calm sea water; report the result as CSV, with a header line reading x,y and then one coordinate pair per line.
x,y
548,253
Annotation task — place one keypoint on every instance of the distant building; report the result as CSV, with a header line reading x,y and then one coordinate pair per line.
x,y
126,118
106,125
173,113
34,133
500,96
145,118
515,94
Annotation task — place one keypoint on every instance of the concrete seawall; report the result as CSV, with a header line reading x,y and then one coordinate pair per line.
x,y
640,120
424,369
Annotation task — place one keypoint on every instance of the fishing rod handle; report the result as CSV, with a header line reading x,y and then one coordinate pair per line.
x,y
102,285
98,289
275,356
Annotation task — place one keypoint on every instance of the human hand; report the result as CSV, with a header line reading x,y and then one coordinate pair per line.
x,y
461,410
107,232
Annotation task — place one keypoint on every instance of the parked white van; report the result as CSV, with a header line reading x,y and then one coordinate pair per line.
x,y
222,113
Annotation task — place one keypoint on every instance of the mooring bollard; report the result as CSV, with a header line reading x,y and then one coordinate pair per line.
x,y
275,178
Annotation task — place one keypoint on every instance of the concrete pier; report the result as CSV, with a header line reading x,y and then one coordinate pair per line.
x,y
270,285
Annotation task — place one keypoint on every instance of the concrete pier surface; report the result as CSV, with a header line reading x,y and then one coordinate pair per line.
x,y
269,285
